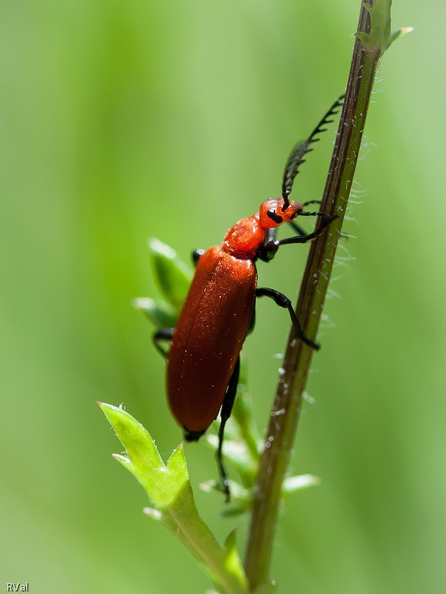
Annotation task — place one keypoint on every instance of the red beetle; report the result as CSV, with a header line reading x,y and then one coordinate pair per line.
x,y
203,359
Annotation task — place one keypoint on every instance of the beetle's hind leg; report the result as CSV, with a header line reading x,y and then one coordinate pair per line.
x,y
298,229
225,413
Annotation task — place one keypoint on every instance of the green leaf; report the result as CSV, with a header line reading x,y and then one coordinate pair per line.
x,y
160,313
170,491
292,484
172,274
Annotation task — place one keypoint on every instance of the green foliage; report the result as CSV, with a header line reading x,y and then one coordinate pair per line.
x,y
173,277
170,491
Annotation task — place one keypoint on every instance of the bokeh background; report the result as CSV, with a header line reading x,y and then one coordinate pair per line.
x,y
126,120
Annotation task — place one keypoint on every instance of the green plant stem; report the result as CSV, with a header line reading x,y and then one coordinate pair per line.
x,y
288,402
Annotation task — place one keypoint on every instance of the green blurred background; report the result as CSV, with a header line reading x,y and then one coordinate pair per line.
x,y
126,120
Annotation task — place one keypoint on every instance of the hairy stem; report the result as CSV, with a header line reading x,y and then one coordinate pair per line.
x,y
288,401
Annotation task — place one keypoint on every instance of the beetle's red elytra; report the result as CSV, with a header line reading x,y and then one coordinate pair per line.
x,y
208,338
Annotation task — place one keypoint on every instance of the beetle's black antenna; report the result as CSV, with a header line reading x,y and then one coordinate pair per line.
x,y
298,153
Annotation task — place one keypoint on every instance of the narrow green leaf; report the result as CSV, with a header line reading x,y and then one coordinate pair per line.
x,y
399,33
292,484
160,313
145,462
233,562
172,274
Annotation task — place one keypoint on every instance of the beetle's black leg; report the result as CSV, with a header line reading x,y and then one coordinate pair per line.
x,y
225,413
163,334
310,236
302,233
283,301
311,202
268,250
298,229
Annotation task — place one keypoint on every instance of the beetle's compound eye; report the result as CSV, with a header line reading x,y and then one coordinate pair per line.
x,y
276,218
270,213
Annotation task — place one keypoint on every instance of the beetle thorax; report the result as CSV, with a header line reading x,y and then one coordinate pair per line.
x,y
244,238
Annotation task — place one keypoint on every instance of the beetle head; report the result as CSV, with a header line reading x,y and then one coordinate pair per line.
x,y
276,211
